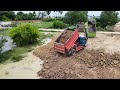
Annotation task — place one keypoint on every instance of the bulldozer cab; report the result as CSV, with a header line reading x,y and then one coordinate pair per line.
x,y
91,28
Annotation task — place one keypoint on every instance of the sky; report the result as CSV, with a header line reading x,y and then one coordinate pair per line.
x,y
90,13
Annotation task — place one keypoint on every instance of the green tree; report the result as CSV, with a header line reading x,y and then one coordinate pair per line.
x,y
7,14
34,15
108,18
48,12
73,17
30,16
4,18
19,16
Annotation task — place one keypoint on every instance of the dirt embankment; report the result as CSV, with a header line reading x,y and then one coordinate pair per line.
x,y
92,62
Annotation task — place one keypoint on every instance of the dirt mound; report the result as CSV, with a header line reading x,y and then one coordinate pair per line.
x,y
85,64
65,36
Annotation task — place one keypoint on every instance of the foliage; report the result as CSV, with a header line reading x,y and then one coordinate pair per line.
x,y
7,15
108,28
22,16
108,18
24,34
49,19
58,24
98,24
73,17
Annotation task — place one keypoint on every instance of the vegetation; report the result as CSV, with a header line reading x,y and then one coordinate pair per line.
x,y
24,34
108,28
108,18
19,52
43,24
4,32
73,17
58,24
7,15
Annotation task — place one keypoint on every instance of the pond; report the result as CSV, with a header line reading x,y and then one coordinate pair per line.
x,y
7,45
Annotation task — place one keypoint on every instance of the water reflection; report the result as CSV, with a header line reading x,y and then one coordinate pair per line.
x,y
7,45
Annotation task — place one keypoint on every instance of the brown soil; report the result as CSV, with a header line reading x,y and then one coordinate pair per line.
x,y
99,60
65,36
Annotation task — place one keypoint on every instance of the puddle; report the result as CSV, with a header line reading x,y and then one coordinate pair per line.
x,y
7,45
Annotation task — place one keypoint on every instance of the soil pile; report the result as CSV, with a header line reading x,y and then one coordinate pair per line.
x,y
81,65
65,36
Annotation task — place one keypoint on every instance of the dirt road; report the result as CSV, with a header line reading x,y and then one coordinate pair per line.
x,y
99,60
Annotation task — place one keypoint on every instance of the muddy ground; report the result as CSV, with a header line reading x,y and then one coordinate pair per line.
x,y
99,60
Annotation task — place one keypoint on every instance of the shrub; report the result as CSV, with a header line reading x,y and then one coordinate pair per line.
x,y
49,19
24,34
98,24
58,24
100,29
108,28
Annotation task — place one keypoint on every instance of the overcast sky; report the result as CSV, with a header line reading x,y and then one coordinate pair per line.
x,y
90,13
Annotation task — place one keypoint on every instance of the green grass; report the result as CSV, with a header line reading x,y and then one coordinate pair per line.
x,y
44,24
4,32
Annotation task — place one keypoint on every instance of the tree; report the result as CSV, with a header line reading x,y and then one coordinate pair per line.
x,y
60,12
34,15
30,16
20,16
108,18
48,12
43,15
39,13
4,18
7,14
73,17
54,14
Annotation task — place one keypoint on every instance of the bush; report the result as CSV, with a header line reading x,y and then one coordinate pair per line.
x,y
24,34
98,24
49,19
100,29
108,28
58,24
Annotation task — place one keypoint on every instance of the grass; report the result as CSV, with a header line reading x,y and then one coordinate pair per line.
x,y
45,25
4,32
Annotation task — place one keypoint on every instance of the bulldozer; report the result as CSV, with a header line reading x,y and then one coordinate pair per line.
x,y
89,28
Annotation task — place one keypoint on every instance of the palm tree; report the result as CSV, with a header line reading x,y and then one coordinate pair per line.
x,y
54,14
61,12
48,12
39,14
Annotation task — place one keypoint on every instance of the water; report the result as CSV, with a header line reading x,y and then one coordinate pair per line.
x,y
8,45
